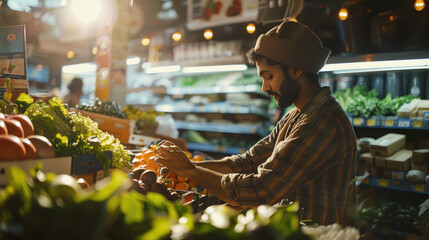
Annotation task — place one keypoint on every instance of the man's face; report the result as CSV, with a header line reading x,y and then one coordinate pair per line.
x,y
278,83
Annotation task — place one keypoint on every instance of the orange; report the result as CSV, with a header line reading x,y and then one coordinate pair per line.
x,y
137,163
169,183
182,186
151,163
188,154
172,175
198,158
181,179
148,167
148,154
192,183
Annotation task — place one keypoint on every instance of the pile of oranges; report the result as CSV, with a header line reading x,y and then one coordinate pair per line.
x,y
146,160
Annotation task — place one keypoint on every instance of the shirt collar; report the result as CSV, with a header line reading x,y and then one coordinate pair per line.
x,y
317,101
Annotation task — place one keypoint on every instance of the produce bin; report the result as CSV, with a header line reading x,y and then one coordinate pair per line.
x,y
58,165
120,128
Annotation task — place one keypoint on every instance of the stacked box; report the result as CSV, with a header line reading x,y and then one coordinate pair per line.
x,y
401,160
387,144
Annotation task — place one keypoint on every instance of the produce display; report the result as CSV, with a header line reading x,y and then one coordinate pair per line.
x,y
49,206
109,108
360,102
141,117
144,163
18,142
390,215
196,137
70,133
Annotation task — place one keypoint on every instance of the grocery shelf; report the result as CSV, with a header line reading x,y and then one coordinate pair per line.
x,y
390,122
212,108
215,90
215,127
395,184
388,233
213,148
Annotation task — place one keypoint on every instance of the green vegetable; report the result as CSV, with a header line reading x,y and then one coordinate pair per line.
x,y
74,134
360,102
34,207
109,108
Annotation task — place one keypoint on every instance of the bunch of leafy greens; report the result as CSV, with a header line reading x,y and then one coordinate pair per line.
x,y
49,206
74,134
360,102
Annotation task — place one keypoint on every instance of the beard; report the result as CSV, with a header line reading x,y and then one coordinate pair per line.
x,y
289,91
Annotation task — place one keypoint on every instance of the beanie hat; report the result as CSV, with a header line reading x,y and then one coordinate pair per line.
x,y
293,44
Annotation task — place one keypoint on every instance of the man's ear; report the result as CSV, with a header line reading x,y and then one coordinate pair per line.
x,y
295,72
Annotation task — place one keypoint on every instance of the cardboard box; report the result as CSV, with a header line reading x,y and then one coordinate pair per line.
x,y
76,166
398,175
373,161
387,144
120,128
424,167
421,156
58,165
401,160
376,172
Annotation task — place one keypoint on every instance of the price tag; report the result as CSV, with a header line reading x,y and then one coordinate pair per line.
x,y
357,121
419,188
383,183
417,124
220,148
370,122
389,123
404,123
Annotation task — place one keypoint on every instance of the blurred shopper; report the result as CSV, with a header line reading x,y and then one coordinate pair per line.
x,y
310,155
75,91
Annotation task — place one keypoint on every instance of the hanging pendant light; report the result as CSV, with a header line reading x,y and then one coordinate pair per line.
x,y
177,36
343,14
419,5
208,34
250,28
145,41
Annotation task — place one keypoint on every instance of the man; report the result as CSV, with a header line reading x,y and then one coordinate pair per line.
x,y
310,155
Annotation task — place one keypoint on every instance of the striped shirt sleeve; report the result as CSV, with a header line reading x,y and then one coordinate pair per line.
x,y
299,158
249,161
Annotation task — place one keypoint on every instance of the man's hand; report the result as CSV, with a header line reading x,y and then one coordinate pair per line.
x,y
174,159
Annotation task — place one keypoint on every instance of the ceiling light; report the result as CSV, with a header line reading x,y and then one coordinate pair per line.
x,y
217,68
145,41
208,34
79,68
343,14
376,66
133,60
86,11
163,69
70,54
419,5
250,28
176,36
94,50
